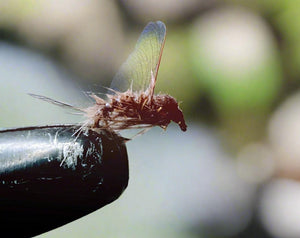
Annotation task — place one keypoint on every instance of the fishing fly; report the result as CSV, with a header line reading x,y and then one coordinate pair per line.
x,y
131,102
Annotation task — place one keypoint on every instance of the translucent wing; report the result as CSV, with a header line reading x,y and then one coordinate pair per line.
x,y
143,62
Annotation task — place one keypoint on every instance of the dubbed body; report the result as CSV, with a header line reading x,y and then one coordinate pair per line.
x,y
132,110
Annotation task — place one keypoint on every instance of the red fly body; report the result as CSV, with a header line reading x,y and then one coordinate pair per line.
x,y
134,110
131,102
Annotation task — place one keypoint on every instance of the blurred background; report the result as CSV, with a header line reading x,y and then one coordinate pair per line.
x,y
235,68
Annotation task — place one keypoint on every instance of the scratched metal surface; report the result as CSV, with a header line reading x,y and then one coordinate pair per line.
x,y
49,176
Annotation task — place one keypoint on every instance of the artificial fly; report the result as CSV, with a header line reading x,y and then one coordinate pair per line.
x,y
131,102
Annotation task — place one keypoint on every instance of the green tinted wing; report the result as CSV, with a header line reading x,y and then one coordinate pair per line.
x,y
135,73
